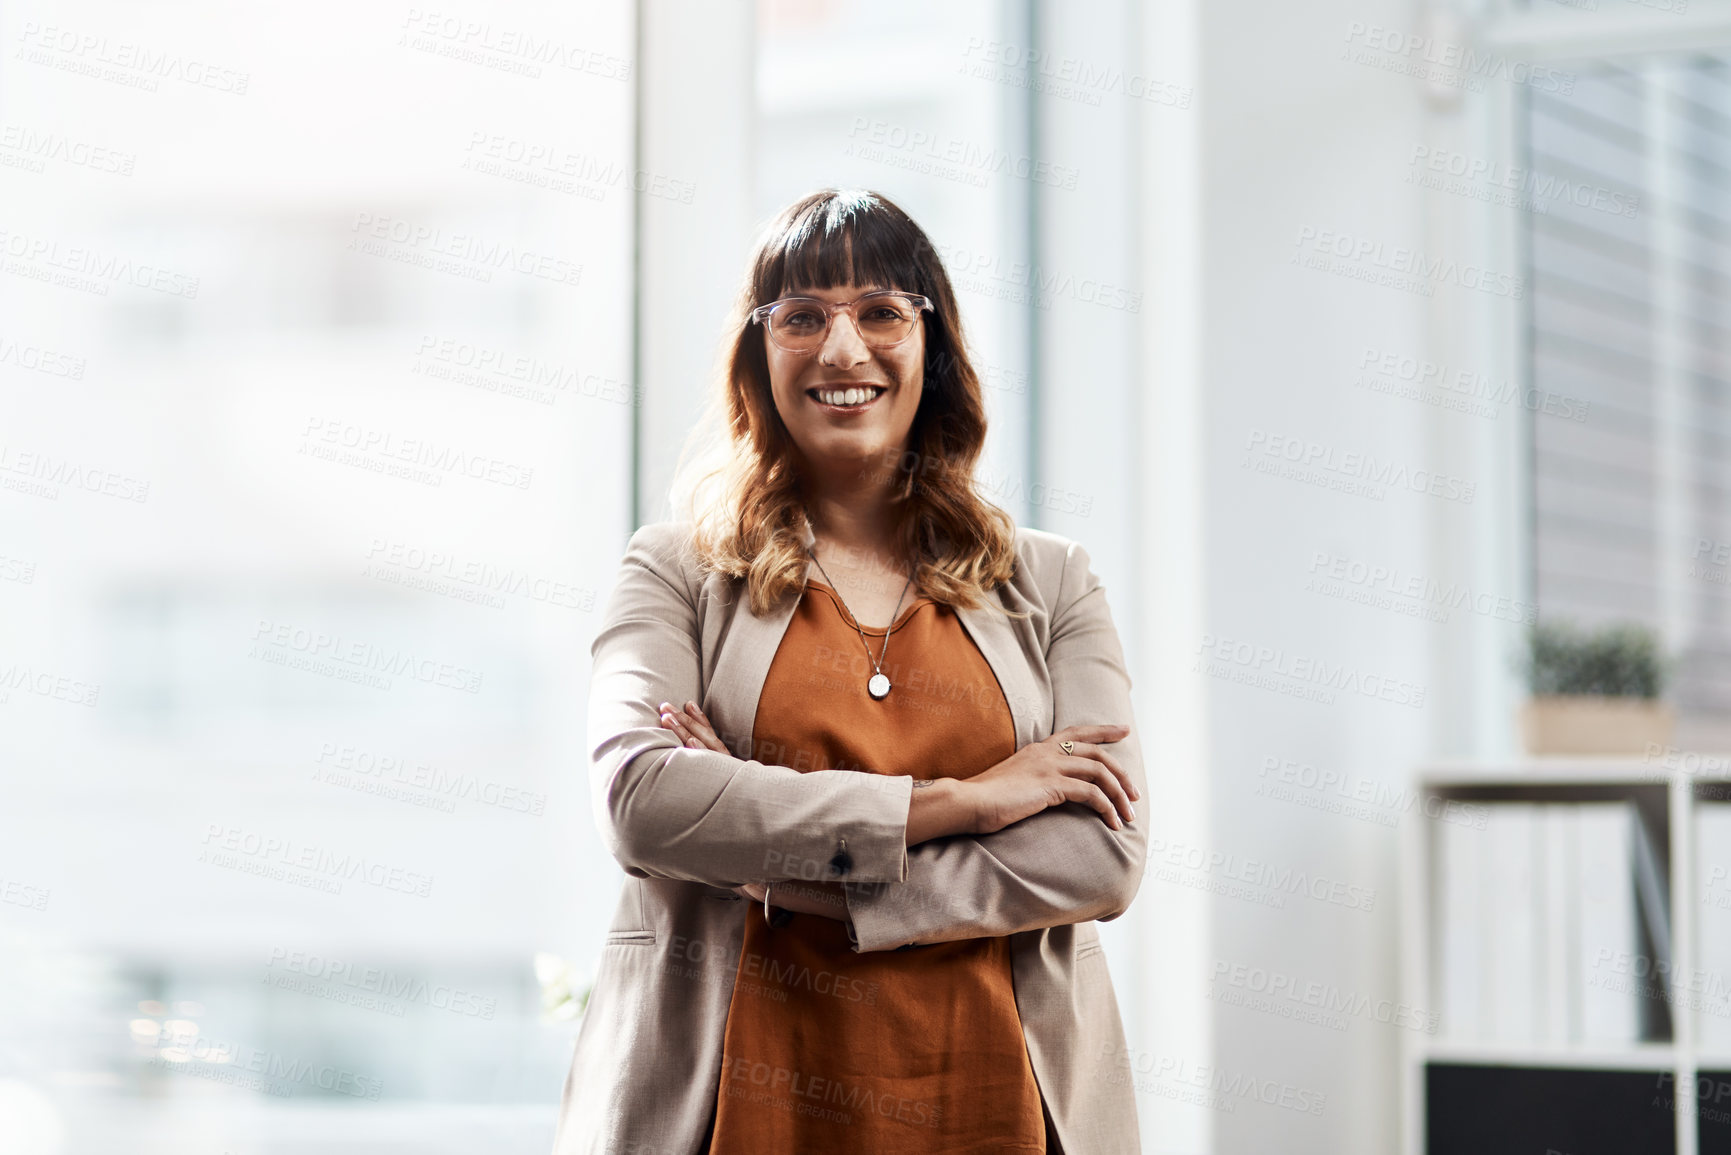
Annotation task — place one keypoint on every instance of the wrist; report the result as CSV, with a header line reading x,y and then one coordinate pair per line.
x,y
939,807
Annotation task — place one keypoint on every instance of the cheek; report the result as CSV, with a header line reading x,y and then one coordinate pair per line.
x,y
908,366
783,378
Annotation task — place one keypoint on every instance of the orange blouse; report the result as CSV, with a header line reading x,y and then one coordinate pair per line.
x,y
920,1050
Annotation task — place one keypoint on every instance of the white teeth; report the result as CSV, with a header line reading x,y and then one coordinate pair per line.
x,y
844,396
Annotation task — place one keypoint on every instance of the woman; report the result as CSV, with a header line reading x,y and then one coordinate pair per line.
x,y
863,867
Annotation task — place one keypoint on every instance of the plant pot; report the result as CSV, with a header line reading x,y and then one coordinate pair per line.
x,y
1590,724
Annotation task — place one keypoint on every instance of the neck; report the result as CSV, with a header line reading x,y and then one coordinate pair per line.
x,y
850,508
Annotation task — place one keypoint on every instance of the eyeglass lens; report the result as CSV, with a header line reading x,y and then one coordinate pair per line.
x,y
802,325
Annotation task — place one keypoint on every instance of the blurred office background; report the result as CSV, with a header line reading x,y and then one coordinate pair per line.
x,y
342,347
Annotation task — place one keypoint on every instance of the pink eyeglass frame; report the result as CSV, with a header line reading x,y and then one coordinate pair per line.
x,y
761,314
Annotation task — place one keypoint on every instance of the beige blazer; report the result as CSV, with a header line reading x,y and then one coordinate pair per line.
x,y
688,825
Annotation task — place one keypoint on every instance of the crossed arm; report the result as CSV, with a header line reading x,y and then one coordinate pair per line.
x,y
671,810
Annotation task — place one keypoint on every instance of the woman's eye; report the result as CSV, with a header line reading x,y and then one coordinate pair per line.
x,y
801,320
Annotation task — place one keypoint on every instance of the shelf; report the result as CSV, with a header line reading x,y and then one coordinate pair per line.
x,y
1537,1096
1569,769
1629,1057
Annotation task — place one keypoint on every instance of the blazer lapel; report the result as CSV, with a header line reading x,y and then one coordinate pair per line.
x,y
998,642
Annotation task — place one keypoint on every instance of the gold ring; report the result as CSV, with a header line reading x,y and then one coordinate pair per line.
x,y
1067,747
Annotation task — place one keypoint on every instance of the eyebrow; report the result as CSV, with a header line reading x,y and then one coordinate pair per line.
x,y
864,290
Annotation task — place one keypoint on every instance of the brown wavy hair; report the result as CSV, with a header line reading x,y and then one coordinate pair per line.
x,y
745,501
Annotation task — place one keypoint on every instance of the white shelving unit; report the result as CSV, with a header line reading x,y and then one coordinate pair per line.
x,y
1562,779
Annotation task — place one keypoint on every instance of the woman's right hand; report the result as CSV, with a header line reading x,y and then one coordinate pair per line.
x,y
1041,775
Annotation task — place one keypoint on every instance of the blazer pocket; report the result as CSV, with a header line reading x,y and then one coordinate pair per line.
x,y
631,938
1089,949
631,923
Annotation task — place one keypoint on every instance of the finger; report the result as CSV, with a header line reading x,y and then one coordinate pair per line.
x,y
1094,736
1089,750
702,731
1085,792
1103,780
672,722
700,725
1108,732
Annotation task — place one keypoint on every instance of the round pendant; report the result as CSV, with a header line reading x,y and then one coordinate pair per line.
x,y
879,686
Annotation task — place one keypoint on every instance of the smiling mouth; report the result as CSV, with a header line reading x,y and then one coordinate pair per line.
x,y
849,397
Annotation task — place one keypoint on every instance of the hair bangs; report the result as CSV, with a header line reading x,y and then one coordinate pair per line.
x,y
851,238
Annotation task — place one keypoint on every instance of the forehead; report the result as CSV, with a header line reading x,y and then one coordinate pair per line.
x,y
836,293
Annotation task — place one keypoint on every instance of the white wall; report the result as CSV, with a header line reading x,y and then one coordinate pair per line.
x,y
1241,346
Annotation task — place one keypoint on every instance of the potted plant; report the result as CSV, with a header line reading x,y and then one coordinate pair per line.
x,y
1594,691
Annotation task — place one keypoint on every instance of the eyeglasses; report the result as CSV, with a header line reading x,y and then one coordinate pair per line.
x,y
801,324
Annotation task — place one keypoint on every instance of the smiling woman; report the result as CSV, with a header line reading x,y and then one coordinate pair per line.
x,y
925,751
847,293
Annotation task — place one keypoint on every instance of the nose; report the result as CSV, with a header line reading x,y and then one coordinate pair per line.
x,y
843,347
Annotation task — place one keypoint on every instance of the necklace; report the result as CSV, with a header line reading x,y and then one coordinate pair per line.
x,y
879,685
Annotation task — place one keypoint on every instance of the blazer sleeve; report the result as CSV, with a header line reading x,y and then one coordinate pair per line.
x,y
667,811
1062,865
